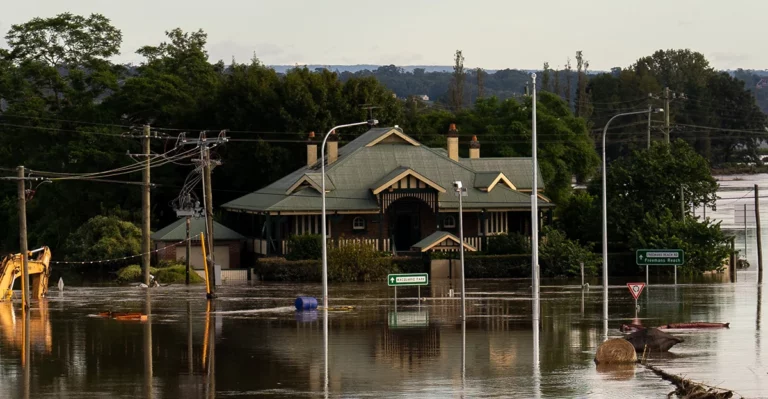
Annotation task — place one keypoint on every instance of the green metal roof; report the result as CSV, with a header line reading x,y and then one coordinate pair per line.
x,y
177,231
359,168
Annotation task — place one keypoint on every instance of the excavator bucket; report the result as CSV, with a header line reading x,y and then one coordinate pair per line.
x,y
39,272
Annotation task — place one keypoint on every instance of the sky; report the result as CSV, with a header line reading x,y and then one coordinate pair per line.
x,y
492,34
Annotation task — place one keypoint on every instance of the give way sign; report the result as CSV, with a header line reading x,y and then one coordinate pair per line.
x,y
635,289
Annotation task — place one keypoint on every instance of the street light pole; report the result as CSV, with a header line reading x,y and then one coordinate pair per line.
x,y
535,214
371,122
461,192
605,212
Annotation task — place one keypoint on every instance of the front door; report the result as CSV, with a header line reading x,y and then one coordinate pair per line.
x,y
407,231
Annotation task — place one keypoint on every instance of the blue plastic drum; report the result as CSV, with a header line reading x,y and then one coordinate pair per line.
x,y
306,303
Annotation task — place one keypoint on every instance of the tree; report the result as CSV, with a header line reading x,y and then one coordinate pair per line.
x,y
104,237
545,78
457,86
583,108
480,83
556,85
560,256
568,86
706,246
649,183
64,40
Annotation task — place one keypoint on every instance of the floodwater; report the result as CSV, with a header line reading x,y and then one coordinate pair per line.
x,y
251,343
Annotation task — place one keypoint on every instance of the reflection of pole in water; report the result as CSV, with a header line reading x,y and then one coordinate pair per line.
x,y
463,356
148,346
536,367
209,352
25,349
757,320
325,350
189,338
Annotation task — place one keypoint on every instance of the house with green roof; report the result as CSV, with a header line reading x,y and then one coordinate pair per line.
x,y
169,243
390,191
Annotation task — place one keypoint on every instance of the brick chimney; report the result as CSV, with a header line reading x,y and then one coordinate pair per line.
x,y
453,142
333,147
474,148
311,149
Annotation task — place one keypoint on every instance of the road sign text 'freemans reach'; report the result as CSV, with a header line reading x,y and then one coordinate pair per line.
x,y
660,257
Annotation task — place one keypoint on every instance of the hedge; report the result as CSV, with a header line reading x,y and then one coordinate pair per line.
x,y
497,266
279,269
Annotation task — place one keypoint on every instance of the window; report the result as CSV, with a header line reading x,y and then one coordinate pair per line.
x,y
358,223
449,222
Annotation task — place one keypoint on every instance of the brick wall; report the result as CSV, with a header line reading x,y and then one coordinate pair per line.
x,y
169,253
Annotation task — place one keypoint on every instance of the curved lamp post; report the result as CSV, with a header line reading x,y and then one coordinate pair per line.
x,y
371,122
605,213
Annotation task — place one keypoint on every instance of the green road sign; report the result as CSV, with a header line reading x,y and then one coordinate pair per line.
x,y
396,280
408,319
660,257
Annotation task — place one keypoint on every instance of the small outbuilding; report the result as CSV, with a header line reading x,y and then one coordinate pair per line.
x,y
169,243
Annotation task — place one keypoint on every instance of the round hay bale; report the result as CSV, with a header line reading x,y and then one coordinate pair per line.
x,y
614,351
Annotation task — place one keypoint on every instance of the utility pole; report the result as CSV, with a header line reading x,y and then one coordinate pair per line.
x,y
208,206
666,113
23,239
189,250
759,238
145,208
650,109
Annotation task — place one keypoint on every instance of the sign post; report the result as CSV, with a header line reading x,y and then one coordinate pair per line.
x,y
635,289
417,279
661,257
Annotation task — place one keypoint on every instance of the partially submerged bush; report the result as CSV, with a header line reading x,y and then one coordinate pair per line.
x,y
133,274
176,274
305,247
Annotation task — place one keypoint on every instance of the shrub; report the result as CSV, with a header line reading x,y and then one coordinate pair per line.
x,y
305,247
104,237
358,262
559,256
279,269
133,274
509,244
497,266
406,264
176,274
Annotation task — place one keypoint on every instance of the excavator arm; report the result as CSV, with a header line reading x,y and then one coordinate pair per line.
x,y
39,271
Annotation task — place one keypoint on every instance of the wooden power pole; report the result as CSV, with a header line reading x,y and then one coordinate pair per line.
x,y
145,207
23,239
759,238
209,212
189,250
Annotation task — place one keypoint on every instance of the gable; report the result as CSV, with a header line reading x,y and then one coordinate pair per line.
x,y
393,136
486,181
310,180
404,178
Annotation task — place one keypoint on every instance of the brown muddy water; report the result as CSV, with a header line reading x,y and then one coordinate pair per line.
x,y
251,343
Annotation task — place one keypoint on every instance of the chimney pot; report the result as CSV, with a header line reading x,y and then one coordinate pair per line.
x,y
474,148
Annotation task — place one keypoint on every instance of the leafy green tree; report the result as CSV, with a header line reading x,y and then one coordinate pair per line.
x,y
104,237
706,246
509,244
560,256
650,183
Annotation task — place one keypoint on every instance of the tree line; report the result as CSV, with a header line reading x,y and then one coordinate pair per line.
x,y
65,107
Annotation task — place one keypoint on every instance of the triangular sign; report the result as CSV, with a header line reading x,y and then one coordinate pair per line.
x,y
635,289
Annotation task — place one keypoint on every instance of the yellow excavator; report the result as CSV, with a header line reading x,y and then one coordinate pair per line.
x,y
10,269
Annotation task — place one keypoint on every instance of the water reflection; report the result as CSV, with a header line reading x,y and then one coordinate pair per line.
x,y
265,348
148,345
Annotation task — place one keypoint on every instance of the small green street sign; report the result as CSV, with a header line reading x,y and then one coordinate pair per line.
x,y
408,319
672,257
396,280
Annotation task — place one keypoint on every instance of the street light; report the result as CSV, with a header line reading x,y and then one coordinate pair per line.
x,y
371,122
461,192
605,211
